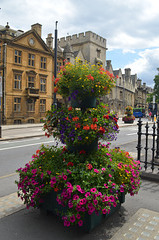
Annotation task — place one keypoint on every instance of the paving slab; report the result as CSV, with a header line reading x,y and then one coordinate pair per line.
x,y
143,225
10,204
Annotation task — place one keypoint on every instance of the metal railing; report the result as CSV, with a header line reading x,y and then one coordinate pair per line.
x,y
148,146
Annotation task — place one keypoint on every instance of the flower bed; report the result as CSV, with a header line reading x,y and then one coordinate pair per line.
x,y
86,184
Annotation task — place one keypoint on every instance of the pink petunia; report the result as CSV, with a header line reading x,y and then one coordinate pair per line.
x,y
104,211
75,197
80,223
72,219
64,177
78,216
93,190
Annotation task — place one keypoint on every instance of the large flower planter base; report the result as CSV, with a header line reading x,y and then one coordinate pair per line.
x,y
129,121
89,222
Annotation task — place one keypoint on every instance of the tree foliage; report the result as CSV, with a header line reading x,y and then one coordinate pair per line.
x,y
156,90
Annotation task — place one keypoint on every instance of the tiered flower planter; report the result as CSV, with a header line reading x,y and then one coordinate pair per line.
x,y
50,204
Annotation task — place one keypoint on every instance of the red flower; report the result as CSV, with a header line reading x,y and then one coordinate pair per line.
x,y
94,126
75,119
101,130
82,152
70,109
115,119
55,89
56,80
89,166
56,189
70,164
106,116
90,77
86,127
64,149
95,120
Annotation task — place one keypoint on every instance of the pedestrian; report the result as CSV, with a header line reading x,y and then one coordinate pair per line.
x,y
150,115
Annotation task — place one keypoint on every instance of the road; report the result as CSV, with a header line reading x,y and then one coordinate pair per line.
x,y
15,153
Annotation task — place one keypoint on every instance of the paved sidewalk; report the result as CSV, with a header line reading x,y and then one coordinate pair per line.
x,y
144,224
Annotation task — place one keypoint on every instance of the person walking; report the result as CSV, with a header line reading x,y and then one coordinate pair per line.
x,y
150,115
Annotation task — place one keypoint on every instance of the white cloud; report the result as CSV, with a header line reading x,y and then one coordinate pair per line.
x,y
146,66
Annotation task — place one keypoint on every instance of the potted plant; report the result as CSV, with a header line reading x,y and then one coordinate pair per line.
x,y
79,129
80,81
78,186
129,118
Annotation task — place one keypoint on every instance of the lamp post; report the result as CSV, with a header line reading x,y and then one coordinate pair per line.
x,y
55,64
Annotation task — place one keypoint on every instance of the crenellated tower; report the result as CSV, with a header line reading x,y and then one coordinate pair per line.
x,y
91,45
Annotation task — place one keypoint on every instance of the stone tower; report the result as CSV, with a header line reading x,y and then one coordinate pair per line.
x,y
92,46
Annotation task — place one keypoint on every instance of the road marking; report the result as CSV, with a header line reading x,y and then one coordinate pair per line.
x,y
9,175
27,145
24,140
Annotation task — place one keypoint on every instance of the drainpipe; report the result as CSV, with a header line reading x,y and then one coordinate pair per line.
x,y
3,83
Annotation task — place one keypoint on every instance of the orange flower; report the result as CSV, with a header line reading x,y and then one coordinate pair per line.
x,y
86,127
90,77
56,80
70,109
37,151
94,126
56,189
75,119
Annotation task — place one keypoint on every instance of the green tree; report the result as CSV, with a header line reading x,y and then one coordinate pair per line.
x,y
155,91
156,87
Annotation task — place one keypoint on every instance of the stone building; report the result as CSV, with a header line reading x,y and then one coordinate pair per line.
x,y
87,46
128,91
26,70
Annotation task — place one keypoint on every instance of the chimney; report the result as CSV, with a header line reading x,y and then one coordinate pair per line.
x,y
37,27
49,41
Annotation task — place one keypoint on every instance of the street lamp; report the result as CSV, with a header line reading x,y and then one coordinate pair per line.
x,y
55,64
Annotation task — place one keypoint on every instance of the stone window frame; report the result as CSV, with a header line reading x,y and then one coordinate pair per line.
x,y
42,84
43,63
17,56
42,105
17,104
31,106
31,60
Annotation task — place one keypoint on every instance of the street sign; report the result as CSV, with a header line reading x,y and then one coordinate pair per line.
x,y
0,86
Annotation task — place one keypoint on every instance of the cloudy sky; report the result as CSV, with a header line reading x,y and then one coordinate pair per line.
x,y
131,27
